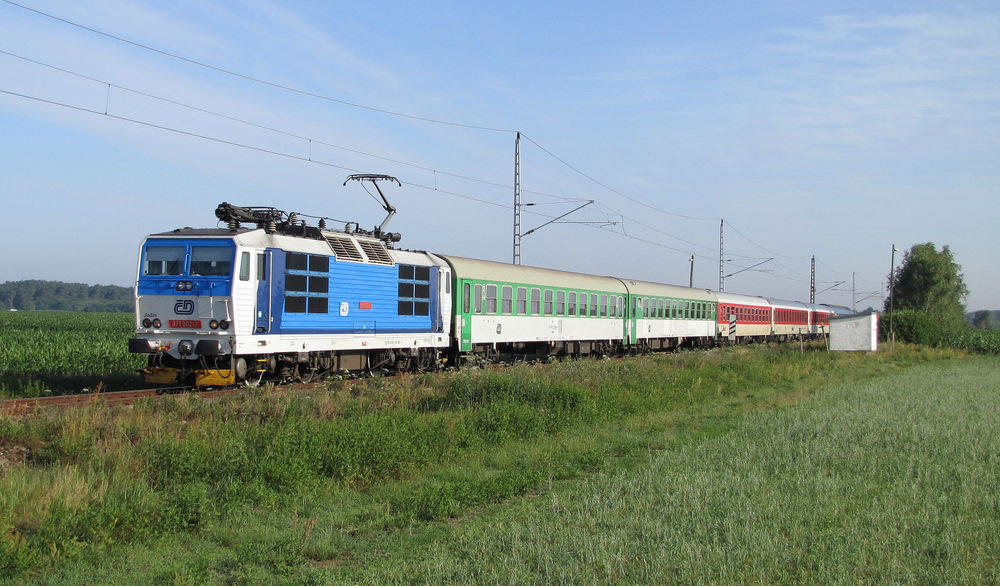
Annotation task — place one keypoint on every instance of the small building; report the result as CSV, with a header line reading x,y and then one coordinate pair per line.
x,y
854,333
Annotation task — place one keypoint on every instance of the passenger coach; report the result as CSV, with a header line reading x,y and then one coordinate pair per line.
x,y
517,310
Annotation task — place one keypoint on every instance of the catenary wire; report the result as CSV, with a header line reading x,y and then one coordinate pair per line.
x,y
370,108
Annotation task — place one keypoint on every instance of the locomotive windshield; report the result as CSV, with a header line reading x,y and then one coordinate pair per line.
x,y
205,261
164,260
211,261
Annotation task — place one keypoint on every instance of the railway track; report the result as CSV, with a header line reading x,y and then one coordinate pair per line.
x,y
20,407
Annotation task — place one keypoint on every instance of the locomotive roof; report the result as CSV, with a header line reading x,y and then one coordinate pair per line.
x,y
201,232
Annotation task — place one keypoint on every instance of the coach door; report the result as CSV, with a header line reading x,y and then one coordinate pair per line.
x,y
464,322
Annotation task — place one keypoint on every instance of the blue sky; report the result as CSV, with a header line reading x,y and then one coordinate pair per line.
x,y
834,130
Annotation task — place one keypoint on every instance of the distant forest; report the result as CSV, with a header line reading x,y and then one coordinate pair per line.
x,y
984,319
56,295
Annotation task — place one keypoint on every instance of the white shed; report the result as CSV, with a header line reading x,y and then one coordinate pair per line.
x,y
854,333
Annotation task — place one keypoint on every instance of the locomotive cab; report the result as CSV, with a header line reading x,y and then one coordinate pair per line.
x,y
185,318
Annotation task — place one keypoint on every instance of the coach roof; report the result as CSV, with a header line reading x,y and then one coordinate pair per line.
x,y
497,272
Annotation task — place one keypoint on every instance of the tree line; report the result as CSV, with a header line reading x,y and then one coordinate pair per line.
x,y
57,295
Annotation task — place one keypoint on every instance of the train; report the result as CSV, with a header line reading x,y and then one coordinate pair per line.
x,y
284,300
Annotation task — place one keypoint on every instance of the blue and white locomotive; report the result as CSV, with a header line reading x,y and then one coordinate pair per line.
x,y
220,306
284,300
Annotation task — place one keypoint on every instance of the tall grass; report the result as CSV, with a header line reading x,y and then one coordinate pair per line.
x,y
61,351
368,459
885,481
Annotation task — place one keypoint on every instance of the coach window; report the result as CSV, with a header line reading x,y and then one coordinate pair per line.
x,y
491,299
604,306
560,302
614,306
245,266
466,298
536,302
593,305
583,304
477,298
522,300
548,302
571,304
506,297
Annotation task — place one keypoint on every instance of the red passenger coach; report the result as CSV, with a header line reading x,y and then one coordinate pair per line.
x,y
791,318
743,317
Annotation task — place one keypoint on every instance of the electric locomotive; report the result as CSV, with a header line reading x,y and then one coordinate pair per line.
x,y
285,300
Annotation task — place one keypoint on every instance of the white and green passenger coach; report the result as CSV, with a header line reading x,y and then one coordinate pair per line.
x,y
512,309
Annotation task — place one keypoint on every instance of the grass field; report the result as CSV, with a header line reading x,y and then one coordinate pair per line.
x,y
744,465
58,352
893,480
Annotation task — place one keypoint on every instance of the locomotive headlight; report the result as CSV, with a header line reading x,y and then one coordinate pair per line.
x,y
224,324
185,348
147,322
214,324
157,323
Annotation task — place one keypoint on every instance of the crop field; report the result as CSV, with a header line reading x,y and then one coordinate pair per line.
x,y
974,340
761,465
58,352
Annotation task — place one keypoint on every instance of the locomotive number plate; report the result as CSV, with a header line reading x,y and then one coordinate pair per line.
x,y
184,323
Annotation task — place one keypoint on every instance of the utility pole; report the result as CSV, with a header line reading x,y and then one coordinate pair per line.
x,y
854,294
691,277
892,279
517,199
722,272
812,281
